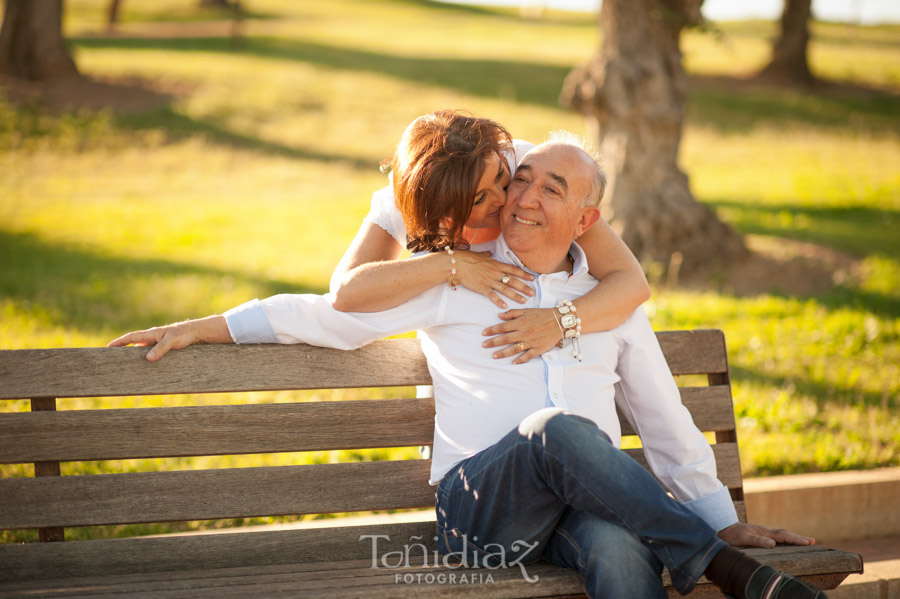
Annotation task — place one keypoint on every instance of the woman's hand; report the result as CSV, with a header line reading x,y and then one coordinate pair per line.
x,y
529,332
482,274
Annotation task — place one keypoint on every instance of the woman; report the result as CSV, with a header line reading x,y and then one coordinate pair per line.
x,y
449,177
448,182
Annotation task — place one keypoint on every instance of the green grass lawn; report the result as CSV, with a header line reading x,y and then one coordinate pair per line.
x,y
253,180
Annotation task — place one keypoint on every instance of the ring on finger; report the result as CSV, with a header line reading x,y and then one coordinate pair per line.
x,y
505,280
520,345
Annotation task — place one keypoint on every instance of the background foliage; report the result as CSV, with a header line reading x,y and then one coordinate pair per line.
x,y
252,179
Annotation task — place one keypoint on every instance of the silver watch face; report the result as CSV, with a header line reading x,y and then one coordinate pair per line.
x,y
567,321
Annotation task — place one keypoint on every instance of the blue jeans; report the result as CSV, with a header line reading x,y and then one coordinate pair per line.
x,y
556,488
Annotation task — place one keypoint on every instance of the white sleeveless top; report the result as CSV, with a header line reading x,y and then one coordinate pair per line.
x,y
384,213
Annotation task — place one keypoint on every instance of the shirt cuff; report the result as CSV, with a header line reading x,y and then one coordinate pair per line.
x,y
716,509
248,323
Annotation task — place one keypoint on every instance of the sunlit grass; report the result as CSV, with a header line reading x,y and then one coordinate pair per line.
x,y
256,176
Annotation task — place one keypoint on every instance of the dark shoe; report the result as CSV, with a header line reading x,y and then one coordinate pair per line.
x,y
767,583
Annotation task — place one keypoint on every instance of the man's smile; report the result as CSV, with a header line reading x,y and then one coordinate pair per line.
x,y
523,221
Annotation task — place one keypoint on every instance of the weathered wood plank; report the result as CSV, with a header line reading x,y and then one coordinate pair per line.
x,y
212,494
208,551
241,492
694,352
740,507
89,372
358,582
342,577
76,435
47,468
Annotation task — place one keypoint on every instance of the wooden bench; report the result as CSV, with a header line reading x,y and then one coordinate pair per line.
x,y
333,561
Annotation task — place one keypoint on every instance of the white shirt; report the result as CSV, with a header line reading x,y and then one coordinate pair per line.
x,y
478,399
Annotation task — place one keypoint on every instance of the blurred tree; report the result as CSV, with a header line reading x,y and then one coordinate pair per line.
x,y
31,43
789,64
633,92
113,13
215,4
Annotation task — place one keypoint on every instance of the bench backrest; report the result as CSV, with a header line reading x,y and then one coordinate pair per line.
x,y
46,437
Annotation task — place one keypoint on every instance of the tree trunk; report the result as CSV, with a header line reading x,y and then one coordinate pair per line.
x,y
633,93
789,64
31,43
113,13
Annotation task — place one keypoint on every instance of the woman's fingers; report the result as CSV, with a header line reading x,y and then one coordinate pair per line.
x,y
499,337
501,340
525,333
531,353
494,297
516,350
510,292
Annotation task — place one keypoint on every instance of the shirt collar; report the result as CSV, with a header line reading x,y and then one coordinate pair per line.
x,y
503,252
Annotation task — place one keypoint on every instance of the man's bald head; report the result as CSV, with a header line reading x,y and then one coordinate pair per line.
x,y
590,158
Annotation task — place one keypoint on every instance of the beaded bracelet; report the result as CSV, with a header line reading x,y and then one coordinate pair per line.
x,y
453,281
572,325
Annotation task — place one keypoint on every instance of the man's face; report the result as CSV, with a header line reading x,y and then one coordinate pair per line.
x,y
543,210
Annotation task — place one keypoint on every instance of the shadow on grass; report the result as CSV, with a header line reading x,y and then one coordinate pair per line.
x,y
523,82
836,227
509,14
822,392
737,105
96,292
878,304
731,105
179,126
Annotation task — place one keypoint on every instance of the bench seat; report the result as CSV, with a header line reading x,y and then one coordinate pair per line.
x,y
335,560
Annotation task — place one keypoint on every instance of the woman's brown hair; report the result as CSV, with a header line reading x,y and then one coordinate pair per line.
x,y
436,169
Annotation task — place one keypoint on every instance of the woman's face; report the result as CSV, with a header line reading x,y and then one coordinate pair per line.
x,y
491,194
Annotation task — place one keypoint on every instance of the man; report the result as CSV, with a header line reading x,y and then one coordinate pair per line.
x,y
526,456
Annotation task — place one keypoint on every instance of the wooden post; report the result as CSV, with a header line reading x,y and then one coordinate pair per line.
x,y
723,378
56,533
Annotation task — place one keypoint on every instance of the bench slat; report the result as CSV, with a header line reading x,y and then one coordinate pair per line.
x,y
189,560
694,352
76,435
90,372
208,551
239,492
211,494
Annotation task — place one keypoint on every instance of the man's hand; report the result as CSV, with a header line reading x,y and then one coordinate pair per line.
x,y
753,535
212,329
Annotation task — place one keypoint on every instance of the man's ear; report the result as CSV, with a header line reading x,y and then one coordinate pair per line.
x,y
589,216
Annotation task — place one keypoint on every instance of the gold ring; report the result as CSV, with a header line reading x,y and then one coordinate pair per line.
x,y
520,345
505,280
